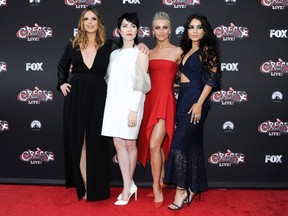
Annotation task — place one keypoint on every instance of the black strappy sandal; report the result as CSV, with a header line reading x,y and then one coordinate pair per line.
x,y
192,198
182,204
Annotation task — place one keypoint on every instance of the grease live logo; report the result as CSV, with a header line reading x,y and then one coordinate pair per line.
x,y
275,4
231,33
82,3
35,96
37,157
276,128
34,33
226,159
274,68
181,3
229,97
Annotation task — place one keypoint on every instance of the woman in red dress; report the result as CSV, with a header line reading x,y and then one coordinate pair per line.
x,y
157,127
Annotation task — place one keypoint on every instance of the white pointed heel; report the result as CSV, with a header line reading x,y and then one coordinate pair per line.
x,y
121,202
133,190
119,196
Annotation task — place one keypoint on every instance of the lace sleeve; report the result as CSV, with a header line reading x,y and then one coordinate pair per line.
x,y
212,79
64,66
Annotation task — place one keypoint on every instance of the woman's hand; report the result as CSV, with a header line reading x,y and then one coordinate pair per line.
x,y
132,119
195,111
143,48
65,88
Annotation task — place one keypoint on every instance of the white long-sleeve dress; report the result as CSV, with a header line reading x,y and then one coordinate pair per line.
x,y
121,97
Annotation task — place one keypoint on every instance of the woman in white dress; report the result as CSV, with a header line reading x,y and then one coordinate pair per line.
x,y
124,105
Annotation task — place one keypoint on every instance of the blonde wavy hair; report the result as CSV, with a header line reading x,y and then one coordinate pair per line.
x,y
81,38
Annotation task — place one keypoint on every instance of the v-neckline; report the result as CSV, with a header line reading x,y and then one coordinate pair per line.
x,y
189,57
85,63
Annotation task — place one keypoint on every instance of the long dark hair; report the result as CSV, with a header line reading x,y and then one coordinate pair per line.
x,y
208,44
132,18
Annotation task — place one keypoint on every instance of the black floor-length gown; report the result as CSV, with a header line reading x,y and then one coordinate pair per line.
x,y
82,117
186,164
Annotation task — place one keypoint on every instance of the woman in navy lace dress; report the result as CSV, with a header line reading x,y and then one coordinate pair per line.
x,y
200,75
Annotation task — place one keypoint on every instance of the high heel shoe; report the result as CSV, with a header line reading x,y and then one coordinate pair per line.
x,y
163,186
192,196
133,190
178,207
158,204
120,195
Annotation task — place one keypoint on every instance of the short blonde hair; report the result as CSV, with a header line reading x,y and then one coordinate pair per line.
x,y
161,16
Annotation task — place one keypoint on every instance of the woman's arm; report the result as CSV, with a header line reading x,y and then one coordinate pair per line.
x,y
63,68
143,61
196,108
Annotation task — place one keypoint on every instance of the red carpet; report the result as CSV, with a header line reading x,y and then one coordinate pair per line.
x,y
56,200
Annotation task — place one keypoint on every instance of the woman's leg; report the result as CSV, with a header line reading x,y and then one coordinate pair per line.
x,y
132,152
83,166
156,140
124,164
181,195
162,168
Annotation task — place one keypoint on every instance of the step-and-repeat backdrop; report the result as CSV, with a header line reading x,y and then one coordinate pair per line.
x,y
246,141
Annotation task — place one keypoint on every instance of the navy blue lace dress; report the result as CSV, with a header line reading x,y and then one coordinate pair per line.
x,y
186,164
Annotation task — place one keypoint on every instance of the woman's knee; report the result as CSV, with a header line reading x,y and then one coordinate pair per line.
x,y
131,145
155,147
118,144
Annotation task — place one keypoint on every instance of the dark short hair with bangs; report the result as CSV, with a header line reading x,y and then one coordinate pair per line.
x,y
132,18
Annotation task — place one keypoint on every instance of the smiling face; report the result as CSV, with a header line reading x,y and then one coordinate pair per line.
x,y
195,30
128,30
90,22
161,29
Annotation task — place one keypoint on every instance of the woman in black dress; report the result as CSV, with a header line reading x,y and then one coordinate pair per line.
x,y
86,151
199,76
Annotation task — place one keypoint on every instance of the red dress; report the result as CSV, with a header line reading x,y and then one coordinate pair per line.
x,y
160,103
